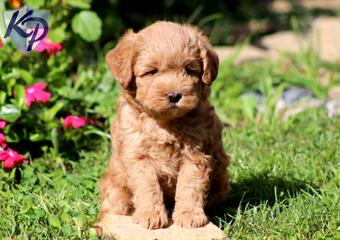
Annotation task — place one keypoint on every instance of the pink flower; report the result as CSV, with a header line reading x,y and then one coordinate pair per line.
x,y
11,158
74,121
50,47
2,124
3,142
35,93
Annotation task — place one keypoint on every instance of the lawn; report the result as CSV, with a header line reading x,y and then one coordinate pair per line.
x,y
284,174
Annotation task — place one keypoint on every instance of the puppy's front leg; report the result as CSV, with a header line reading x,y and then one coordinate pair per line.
x,y
191,193
150,210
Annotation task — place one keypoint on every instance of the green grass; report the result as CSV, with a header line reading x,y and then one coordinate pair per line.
x,y
284,175
284,179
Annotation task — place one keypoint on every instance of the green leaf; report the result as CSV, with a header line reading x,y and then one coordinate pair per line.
x,y
48,115
54,221
10,113
65,217
54,139
24,74
19,93
2,24
10,85
12,137
92,233
83,4
37,137
107,82
35,3
97,132
67,229
58,34
249,104
88,25
2,97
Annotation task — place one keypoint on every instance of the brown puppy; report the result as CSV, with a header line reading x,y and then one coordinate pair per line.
x,y
166,138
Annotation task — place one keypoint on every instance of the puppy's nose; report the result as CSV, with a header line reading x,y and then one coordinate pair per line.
x,y
174,97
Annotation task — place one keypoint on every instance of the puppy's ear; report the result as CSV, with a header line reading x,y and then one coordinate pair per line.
x,y
121,59
209,58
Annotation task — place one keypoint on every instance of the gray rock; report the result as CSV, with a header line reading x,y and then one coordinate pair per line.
x,y
333,108
295,100
294,94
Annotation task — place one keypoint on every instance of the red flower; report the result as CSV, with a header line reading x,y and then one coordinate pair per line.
x,y
35,93
1,43
11,158
2,124
3,142
74,121
50,47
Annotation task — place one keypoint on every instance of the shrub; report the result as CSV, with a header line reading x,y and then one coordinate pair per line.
x,y
51,100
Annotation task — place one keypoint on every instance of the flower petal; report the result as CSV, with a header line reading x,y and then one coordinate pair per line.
x,y
43,96
79,122
39,85
3,155
3,142
9,164
29,99
50,47
11,158
2,124
35,92
68,121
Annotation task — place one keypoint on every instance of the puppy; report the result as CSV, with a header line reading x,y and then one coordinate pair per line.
x,y
166,138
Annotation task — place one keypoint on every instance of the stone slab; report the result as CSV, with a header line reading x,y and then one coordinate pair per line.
x,y
334,93
322,37
122,228
325,34
322,4
285,41
286,6
280,6
247,53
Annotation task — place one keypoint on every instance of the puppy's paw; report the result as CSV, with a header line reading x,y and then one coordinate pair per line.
x,y
190,218
152,218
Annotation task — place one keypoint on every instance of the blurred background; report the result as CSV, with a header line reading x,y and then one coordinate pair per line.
x,y
277,94
225,22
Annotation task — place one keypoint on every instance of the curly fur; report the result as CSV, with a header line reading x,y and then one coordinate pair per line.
x,y
164,155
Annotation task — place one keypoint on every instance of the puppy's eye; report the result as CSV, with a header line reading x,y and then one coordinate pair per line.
x,y
193,71
151,72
